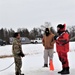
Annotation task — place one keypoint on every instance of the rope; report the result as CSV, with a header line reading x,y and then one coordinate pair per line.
x,y
12,64
6,67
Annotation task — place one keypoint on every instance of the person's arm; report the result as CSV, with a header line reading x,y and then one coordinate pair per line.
x,y
53,41
43,42
21,52
65,39
16,47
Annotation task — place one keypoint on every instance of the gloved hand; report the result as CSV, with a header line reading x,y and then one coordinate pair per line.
x,y
55,37
21,54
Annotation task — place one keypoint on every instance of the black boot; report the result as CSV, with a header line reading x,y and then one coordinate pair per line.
x,y
45,65
21,74
17,73
61,70
66,71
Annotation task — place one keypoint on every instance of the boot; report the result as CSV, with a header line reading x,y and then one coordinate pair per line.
x,y
66,71
21,74
17,73
45,65
61,70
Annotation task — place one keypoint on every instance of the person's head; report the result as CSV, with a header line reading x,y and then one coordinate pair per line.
x,y
17,35
61,28
47,31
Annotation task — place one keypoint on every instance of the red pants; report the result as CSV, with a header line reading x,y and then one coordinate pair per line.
x,y
64,59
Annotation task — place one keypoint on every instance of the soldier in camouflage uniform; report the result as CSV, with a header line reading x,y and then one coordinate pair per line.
x,y
17,52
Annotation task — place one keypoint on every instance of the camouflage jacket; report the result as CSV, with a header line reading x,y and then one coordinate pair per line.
x,y
16,46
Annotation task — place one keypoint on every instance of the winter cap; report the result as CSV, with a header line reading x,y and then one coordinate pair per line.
x,y
61,26
47,30
15,34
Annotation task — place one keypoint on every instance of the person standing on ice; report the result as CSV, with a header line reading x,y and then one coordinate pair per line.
x,y
62,47
17,52
48,43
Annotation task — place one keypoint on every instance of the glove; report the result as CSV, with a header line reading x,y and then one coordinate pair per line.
x,y
21,54
55,37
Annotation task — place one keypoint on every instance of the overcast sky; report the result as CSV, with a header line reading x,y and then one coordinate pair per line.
x,y
33,13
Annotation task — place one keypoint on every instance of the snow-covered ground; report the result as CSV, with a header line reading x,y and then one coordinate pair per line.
x,y
33,61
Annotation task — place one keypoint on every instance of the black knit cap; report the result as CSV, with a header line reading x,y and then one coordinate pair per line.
x,y
47,29
15,34
60,26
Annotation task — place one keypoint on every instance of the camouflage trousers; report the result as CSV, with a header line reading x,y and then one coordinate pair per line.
x,y
18,64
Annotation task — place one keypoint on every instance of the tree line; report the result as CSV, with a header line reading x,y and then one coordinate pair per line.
x,y
71,30
5,34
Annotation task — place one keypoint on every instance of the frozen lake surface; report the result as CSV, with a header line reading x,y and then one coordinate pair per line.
x,y
33,61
